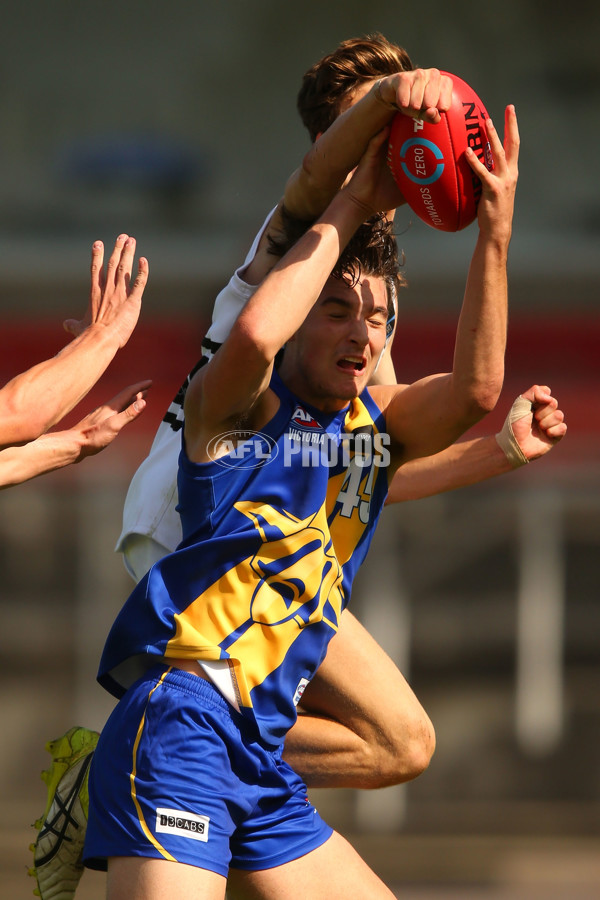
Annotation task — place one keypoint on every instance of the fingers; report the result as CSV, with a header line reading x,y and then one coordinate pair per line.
x,y
101,427
537,393
508,151
120,402
437,96
120,303
540,396
548,416
128,412
557,432
97,280
413,91
115,259
376,143
100,434
103,285
76,326
445,99
553,425
496,204
97,276
423,93
129,396
141,278
120,264
505,155
125,264
497,154
512,139
134,392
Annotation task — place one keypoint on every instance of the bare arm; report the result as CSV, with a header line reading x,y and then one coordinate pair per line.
x,y
232,386
325,168
461,464
528,433
34,401
337,151
62,448
429,415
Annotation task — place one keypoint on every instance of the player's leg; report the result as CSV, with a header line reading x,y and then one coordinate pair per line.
x,y
164,796
57,851
332,870
363,726
283,849
133,878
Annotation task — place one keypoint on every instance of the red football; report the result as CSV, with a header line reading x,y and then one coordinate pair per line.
x,y
429,165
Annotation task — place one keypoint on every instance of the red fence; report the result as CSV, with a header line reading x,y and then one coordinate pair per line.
x,y
561,351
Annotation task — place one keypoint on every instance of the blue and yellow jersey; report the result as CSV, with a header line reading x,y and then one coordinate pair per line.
x,y
274,531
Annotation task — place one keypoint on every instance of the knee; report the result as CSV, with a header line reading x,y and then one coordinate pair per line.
x,y
402,752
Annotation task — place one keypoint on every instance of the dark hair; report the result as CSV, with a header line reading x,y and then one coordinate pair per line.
x,y
372,250
328,82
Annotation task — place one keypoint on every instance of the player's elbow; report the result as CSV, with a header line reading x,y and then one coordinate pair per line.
x,y
481,398
308,192
251,341
485,402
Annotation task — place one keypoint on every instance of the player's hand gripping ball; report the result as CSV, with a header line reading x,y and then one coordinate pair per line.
x,y
429,165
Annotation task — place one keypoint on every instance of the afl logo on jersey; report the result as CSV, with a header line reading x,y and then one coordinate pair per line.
x,y
303,419
242,449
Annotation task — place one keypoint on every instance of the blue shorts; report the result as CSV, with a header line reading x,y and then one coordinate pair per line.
x,y
176,776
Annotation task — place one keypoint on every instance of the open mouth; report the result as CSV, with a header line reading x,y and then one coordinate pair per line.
x,y
352,364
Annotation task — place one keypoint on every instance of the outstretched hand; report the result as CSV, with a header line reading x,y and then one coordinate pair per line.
x,y
99,429
114,302
498,186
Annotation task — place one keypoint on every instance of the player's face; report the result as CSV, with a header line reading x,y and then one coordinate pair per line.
x,y
334,353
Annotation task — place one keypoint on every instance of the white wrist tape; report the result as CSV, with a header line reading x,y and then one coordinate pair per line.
x,y
506,437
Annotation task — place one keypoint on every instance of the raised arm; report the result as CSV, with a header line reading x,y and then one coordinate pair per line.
x,y
532,427
230,389
431,414
338,150
34,401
